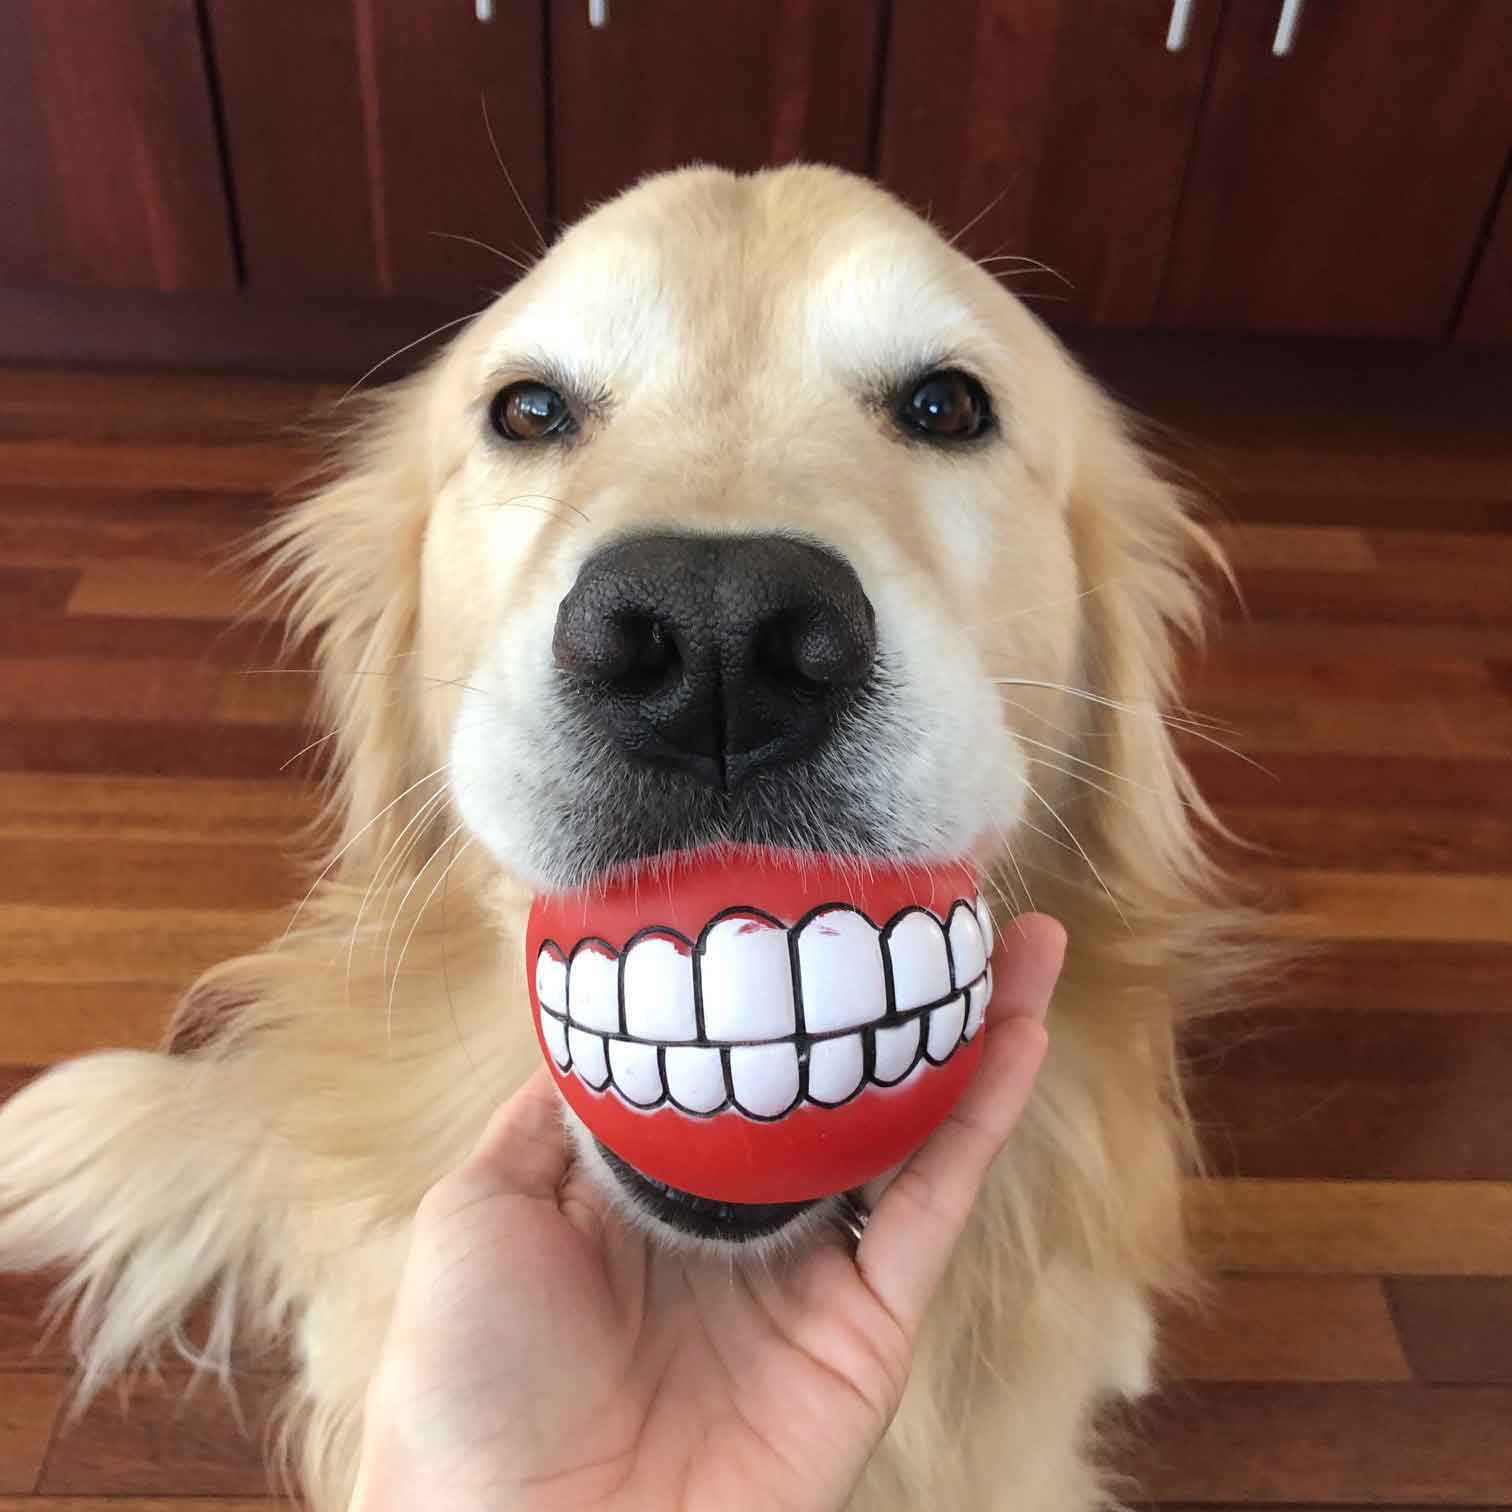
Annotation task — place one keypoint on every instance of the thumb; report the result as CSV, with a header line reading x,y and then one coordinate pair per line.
x,y
909,1239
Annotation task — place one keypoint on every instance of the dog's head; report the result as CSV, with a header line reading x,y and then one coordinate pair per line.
x,y
754,513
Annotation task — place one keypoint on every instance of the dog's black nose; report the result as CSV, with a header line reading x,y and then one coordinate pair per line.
x,y
717,655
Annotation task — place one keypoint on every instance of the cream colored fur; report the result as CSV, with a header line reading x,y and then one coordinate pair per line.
x,y
274,1168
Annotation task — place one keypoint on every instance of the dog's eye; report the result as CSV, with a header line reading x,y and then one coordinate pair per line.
x,y
529,412
947,406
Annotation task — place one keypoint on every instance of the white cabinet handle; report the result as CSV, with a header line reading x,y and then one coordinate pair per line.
x,y
598,13
1181,24
483,9
1286,27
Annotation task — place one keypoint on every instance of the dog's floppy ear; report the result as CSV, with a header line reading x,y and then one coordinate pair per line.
x,y
343,567
1146,562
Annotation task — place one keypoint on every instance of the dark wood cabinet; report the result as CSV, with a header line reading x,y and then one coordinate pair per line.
x,y
1050,129
359,147
1343,188
109,174
668,82
1487,312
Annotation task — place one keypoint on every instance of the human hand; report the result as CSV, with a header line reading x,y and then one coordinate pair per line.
x,y
542,1355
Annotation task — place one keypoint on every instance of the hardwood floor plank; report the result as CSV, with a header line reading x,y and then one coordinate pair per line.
x,y
233,466
1438,1228
146,946
1290,1443
241,646
29,1402
168,1441
149,875
1469,842
1394,906
1460,642
163,748
1455,1328
37,590
168,810
1290,547
1399,976
51,1021
1324,1129
1231,670
1477,725
1286,1328
24,1344
105,690
146,588
1400,596
1451,782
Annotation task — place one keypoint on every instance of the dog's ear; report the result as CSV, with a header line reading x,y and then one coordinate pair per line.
x,y
1148,565
343,568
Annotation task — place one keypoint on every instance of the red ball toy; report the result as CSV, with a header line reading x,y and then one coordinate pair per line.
x,y
763,1026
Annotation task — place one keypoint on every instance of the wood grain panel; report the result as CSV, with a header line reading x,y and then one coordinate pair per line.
x,y
1451,782
1287,1328
196,1431
1455,1328
24,1343
40,944
1300,190
50,1021
144,588
110,175
167,748
245,645
1431,1228
36,588
1375,906
672,82
321,110
108,465
989,117
1487,312
1320,1444
1468,842
29,1403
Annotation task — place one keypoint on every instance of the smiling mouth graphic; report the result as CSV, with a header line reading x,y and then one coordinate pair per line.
x,y
752,1019
772,1050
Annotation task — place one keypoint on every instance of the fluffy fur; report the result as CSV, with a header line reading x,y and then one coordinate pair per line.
x,y
732,328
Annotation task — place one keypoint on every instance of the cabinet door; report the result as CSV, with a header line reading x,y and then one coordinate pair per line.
x,y
1343,188
359,147
1053,129
668,82
109,174
1487,314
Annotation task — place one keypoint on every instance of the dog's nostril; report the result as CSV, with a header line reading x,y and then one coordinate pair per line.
x,y
649,657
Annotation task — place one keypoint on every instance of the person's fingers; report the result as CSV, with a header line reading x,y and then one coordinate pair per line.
x,y
908,1241
524,1148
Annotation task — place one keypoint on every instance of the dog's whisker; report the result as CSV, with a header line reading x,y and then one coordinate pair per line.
x,y
409,346
325,870
493,142
484,246
1080,849
1106,771
1186,725
404,949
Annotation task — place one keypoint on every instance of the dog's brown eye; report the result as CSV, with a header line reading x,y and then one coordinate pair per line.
x,y
529,412
948,405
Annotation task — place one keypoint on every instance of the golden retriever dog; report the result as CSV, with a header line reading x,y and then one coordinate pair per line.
x,y
793,375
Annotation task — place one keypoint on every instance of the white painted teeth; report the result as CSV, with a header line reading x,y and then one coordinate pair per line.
x,y
747,981
764,1078
897,1050
836,1067
756,1017
695,1078
945,1025
840,966
637,1077
920,961
968,951
659,1002
593,988
588,1058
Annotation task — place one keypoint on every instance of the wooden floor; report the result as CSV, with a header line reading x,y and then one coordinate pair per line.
x,y
1361,1353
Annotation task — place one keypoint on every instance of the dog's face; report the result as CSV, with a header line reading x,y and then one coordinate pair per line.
x,y
739,506
742,518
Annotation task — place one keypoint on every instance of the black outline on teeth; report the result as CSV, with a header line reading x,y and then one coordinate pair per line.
x,y
801,1039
